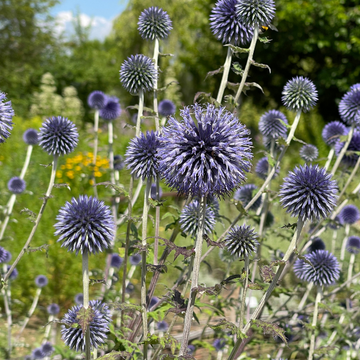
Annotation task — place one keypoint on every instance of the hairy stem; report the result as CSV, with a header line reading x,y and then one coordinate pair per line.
x,y
27,162
156,59
8,212
140,112
243,300
314,322
157,222
329,158
353,173
351,267
85,276
225,75
96,140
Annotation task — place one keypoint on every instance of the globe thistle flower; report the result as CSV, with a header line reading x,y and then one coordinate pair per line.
x,y
206,157
337,223
135,259
154,23
332,131
31,137
111,110
245,194
16,185
137,74
37,354
7,256
316,244
153,191
79,299
226,26
267,142
58,136
97,100
349,214
102,307
119,163
2,255
353,245
116,260
309,193
166,108
74,337
219,344
53,309
153,301
189,219
130,287
262,168
214,205
255,12
299,94
6,115
86,225
41,281
349,106
271,126
325,269
141,155
47,349
190,349
309,152
162,326
14,273
241,240
349,159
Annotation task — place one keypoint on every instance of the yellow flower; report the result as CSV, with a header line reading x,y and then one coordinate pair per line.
x,y
59,174
70,174
97,173
78,168
69,166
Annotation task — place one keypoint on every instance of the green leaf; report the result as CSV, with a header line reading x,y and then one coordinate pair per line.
x,y
271,160
270,328
165,55
167,85
267,273
264,40
263,66
215,72
226,326
254,84
238,50
255,286
114,355
239,206
324,350
84,317
325,307
237,69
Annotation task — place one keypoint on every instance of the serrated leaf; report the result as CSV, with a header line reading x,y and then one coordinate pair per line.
x,y
264,40
226,326
239,206
39,248
303,258
281,141
215,72
238,50
207,97
58,186
263,66
114,355
324,350
164,55
167,85
254,84
267,273
84,317
237,69
255,286
155,203
270,328
271,160
136,107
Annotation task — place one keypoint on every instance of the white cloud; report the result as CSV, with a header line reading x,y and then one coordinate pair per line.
x,y
100,26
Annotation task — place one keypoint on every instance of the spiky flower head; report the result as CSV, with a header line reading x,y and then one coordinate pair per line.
x,y
16,185
262,168
138,73
309,152
14,273
255,12
7,256
309,193
111,110
119,163
41,281
353,245
245,193
349,214
166,108
325,269
2,255
97,100
317,244
209,156
116,260
219,344
162,326
267,142
58,136
153,301
53,309
31,137
37,354
79,299
135,259
99,326
86,225
141,155
271,126
153,191
350,158
47,349
349,106
332,131
189,219
299,94
226,26
241,241
190,349
6,115
154,23
130,287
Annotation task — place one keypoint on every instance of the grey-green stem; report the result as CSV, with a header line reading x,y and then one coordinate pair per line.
x,y
225,75
243,300
329,158
314,322
86,281
96,140
351,177
27,161
140,112
156,59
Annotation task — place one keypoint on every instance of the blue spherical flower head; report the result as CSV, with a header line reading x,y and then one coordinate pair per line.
x,y
154,23
86,225
31,137
3,255
53,309
350,158
309,152
350,214
299,94
16,185
111,110
37,354
190,349
41,281
317,244
153,301
79,299
262,168
241,241
349,106
135,259
119,163
6,115
130,287
166,108
209,156
255,12
271,124
99,326
226,26
138,73
245,193
141,155
14,273
162,326
219,344
47,349
324,271
189,219
116,260
153,192
309,193
7,256
353,245
332,131
97,100
58,136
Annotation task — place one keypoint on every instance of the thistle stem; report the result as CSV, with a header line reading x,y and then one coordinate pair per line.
x,y
8,212
343,246
96,140
157,222
48,327
86,281
350,270
195,277
243,300
303,300
112,173
140,112
156,59
225,75
27,161
329,158
248,63
8,317
314,322
37,221
353,173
